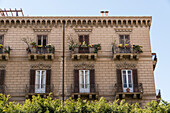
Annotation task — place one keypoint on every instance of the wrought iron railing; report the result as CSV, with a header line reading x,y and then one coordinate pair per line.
x,y
36,88
116,49
41,50
3,88
84,50
154,57
5,50
136,88
93,88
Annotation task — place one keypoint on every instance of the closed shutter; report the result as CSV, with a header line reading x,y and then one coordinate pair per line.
x,y
32,81
2,80
76,81
135,80
48,81
119,80
92,81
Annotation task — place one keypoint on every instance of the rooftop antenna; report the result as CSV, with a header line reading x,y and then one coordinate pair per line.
x,y
15,11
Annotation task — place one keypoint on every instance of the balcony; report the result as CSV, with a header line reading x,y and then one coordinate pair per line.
x,y
89,53
4,53
92,94
3,89
126,52
136,94
154,60
35,90
40,53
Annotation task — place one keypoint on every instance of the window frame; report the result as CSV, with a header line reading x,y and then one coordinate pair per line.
x,y
42,36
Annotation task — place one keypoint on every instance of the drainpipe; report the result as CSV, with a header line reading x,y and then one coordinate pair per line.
x,y
63,57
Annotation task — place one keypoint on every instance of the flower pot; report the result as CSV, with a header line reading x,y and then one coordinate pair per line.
x,y
127,90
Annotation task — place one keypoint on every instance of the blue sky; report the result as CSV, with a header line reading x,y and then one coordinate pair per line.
x,y
158,9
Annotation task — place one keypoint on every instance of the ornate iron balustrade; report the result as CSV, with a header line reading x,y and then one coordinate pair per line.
x,y
93,88
84,50
3,89
33,88
136,88
41,50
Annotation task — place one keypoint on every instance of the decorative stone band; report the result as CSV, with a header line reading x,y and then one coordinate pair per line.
x,y
123,29
42,30
40,66
124,65
83,66
3,30
77,21
83,30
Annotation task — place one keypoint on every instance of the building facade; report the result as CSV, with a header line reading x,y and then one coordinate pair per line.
x,y
105,56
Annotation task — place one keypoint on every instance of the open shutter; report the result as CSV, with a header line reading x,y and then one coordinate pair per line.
x,y
76,81
119,80
2,78
92,81
87,43
81,41
135,80
48,81
32,81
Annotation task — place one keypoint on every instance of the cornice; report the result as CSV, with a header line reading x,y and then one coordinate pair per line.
x,y
77,21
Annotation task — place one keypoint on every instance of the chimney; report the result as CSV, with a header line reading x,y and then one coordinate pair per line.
x,y
106,13
102,13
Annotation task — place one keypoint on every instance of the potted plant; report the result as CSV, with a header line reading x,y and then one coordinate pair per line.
x,y
127,45
1,46
120,45
7,50
127,90
137,49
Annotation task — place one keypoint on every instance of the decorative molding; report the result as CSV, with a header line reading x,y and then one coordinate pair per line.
x,y
84,66
2,67
126,65
3,30
41,66
123,29
83,30
42,30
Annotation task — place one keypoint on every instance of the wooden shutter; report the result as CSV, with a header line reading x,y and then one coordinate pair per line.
x,y
48,81
32,81
86,50
76,81
92,81
135,80
2,81
119,80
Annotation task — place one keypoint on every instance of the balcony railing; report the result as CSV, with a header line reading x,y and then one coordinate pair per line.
x,y
4,53
131,52
137,91
154,60
84,52
33,89
43,52
89,90
3,89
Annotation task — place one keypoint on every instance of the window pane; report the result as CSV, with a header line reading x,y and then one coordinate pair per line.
x,y
44,40
124,79
121,39
127,40
39,40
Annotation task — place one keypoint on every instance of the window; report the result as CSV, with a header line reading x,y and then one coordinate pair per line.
x,y
124,39
84,81
42,40
40,81
127,80
84,38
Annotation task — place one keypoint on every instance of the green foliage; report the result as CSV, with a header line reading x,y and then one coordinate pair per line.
x,y
49,105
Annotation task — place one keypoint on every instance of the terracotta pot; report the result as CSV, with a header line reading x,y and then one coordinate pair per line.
x,y
127,90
